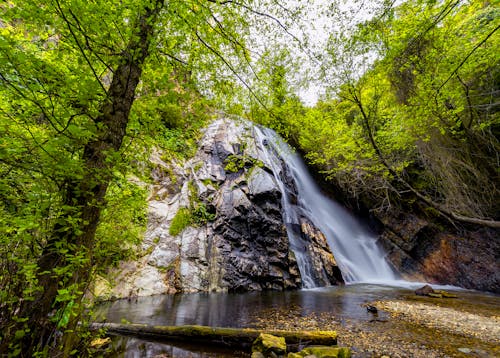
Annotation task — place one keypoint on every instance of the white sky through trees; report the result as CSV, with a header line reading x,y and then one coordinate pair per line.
x,y
322,19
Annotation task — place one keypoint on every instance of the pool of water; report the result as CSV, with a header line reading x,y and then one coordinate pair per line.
x,y
239,309
345,303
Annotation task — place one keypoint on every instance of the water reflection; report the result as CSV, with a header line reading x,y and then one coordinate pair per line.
x,y
126,347
239,310
343,304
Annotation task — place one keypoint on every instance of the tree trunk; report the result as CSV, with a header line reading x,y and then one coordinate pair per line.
x,y
83,199
228,337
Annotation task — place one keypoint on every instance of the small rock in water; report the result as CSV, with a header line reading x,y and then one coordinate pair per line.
x,y
424,291
446,294
268,344
258,355
371,309
465,350
435,295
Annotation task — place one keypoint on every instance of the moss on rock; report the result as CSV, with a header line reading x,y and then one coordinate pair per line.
x,y
181,220
326,352
267,343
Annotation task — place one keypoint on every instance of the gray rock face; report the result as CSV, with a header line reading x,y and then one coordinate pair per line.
x,y
244,246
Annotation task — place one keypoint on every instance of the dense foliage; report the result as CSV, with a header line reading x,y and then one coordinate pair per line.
x,y
90,88
413,114
74,144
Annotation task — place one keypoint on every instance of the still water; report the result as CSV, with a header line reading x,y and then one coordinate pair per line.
x,y
345,303
239,310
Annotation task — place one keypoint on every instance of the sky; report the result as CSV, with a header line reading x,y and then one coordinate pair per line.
x,y
323,18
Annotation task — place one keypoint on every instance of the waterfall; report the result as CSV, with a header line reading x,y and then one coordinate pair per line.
x,y
359,257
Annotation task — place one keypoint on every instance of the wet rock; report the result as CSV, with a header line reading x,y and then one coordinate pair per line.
x,y
262,185
268,344
243,244
424,291
326,352
323,262
371,309
435,295
445,294
430,292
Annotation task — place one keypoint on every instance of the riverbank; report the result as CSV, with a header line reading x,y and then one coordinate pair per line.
x,y
409,327
405,325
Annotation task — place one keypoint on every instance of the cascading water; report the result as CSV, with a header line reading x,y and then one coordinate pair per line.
x,y
355,249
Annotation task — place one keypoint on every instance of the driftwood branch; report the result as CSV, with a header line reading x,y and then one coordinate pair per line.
x,y
229,337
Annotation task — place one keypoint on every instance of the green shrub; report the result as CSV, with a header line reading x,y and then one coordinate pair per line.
x,y
234,163
181,220
201,215
123,223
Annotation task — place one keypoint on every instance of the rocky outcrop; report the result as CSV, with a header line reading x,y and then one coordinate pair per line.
x,y
232,235
426,250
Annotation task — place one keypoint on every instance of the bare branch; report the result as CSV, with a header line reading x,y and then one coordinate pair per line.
x,y
467,57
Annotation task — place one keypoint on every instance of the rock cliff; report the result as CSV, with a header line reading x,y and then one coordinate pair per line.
x,y
432,252
216,223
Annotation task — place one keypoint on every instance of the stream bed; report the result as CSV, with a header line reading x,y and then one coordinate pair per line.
x,y
394,334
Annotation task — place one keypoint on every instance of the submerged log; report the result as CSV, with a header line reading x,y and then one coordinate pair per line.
x,y
229,337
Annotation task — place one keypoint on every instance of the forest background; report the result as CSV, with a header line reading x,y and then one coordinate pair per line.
x,y
409,119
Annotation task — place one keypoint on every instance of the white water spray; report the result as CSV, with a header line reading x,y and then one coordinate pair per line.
x,y
359,257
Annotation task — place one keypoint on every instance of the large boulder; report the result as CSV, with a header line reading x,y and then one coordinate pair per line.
x,y
426,250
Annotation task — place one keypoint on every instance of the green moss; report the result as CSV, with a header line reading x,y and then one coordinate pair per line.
x,y
181,220
201,214
197,166
431,212
267,343
326,352
197,215
213,183
234,163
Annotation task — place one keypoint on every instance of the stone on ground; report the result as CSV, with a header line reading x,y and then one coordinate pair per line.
x,y
268,344
326,352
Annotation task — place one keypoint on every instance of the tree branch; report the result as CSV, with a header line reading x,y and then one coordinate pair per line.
x,y
442,211
80,47
467,57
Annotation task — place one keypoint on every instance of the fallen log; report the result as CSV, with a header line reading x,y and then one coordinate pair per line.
x,y
228,337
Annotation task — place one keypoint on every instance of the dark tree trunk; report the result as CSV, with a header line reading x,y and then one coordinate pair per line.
x,y
84,198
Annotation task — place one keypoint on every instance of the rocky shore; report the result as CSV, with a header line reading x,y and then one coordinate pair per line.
x,y
413,327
